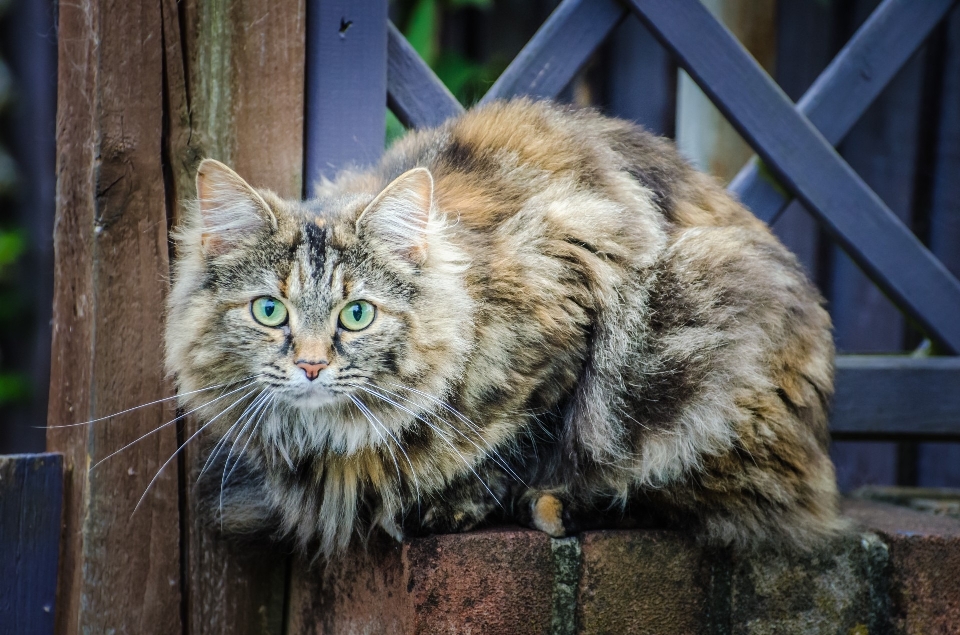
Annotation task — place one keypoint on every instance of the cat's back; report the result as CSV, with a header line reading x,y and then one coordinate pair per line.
x,y
490,162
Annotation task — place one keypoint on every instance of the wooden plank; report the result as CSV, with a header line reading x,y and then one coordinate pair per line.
x,y
31,498
558,50
896,397
884,149
414,93
229,72
641,79
808,38
345,112
880,244
120,571
939,464
849,85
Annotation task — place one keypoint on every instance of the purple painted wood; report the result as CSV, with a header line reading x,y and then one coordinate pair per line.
x,y
346,86
414,93
641,80
939,464
806,163
558,50
31,499
854,79
896,396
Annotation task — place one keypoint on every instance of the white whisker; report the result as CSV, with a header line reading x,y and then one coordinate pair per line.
x,y
152,403
164,425
177,451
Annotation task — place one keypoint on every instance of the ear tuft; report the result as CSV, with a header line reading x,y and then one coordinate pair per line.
x,y
397,220
231,211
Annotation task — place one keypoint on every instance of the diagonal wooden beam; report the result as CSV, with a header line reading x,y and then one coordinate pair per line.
x,y
852,81
415,95
559,48
808,165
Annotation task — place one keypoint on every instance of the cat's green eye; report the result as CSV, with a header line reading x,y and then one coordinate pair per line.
x,y
357,316
269,311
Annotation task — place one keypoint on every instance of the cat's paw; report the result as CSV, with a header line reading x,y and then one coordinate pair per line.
x,y
546,514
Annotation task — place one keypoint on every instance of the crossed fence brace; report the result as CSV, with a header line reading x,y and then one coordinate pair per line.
x,y
892,395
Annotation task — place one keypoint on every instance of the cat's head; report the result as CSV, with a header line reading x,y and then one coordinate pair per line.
x,y
310,318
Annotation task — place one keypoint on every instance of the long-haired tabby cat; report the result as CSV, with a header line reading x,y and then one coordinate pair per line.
x,y
529,313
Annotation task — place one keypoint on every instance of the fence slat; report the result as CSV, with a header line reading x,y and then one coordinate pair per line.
x,y
31,497
558,50
232,98
119,571
939,465
852,81
896,396
414,93
880,244
346,85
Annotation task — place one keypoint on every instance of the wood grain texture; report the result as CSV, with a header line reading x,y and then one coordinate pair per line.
x,y
235,77
415,95
346,90
558,49
855,216
31,497
120,569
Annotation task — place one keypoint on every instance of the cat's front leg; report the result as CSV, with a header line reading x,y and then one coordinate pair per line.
x,y
233,500
468,501
546,511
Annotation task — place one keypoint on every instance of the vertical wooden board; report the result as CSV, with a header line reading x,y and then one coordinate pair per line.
x,y
119,571
805,46
641,81
939,464
31,496
237,96
346,85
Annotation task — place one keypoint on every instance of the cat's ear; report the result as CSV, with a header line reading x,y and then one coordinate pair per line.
x,y
231,211
398,218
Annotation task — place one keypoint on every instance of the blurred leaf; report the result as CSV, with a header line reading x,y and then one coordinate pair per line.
x,y
395,129
423,30
14,310
14,388
12,244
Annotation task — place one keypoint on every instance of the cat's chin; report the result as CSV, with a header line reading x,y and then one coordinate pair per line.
x,y
315,399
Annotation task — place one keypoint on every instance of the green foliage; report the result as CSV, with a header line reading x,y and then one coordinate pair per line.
x,y
14,388
422,22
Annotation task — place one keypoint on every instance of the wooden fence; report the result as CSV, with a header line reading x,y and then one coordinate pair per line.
x,y
146,90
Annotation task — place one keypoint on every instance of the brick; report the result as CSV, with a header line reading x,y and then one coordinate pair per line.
x,y
635,582
499,581
924,570
836,589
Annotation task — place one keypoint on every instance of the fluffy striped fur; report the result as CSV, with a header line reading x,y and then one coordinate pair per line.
x,y
573,327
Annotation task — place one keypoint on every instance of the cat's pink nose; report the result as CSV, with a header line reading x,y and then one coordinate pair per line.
x,y
312,369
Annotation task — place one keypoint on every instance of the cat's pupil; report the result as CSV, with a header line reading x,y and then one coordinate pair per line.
x,y
268,308
357,312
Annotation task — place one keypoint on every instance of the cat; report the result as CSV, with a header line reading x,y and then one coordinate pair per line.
x,y
531,313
